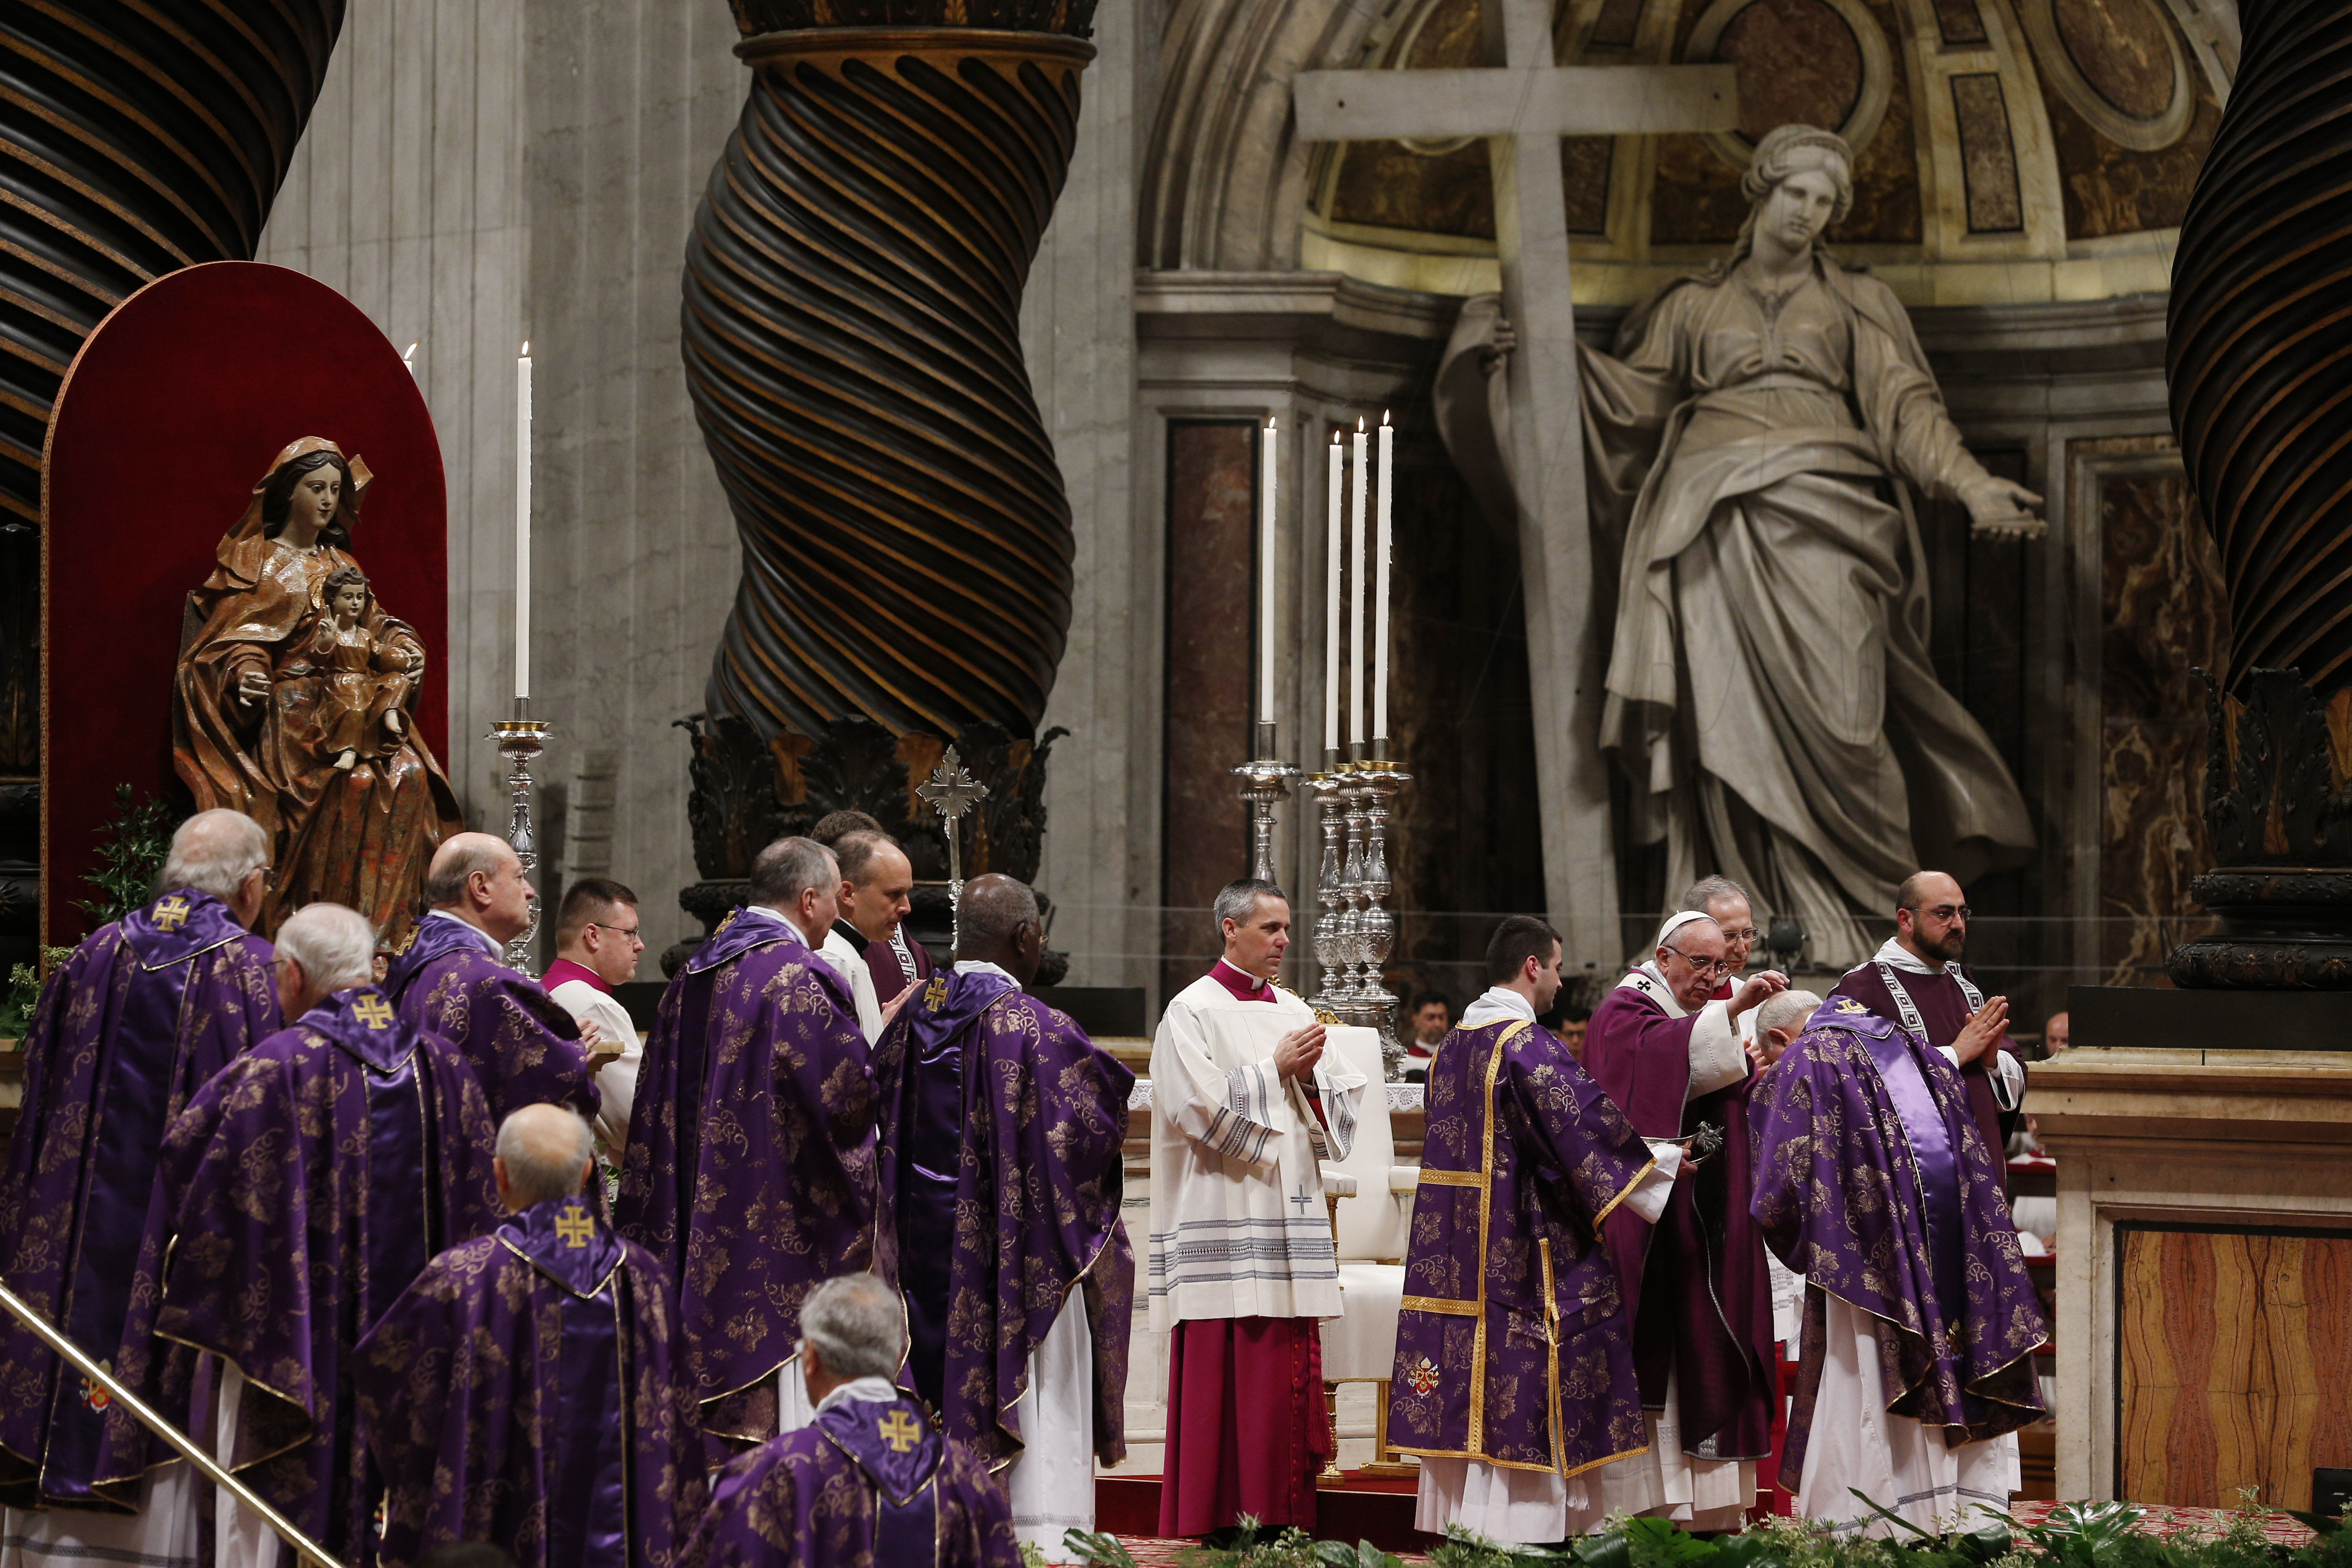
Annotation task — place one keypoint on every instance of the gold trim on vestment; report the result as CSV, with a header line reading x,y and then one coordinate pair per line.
x,y
1611,1207
1477,1433
1552,1352
541,1269
1446,1306
1486,1458
1452,1179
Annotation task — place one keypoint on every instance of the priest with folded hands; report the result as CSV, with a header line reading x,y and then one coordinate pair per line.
x,y
309,1182
1002,1127
530,1390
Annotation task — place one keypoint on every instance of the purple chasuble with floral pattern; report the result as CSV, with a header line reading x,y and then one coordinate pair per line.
x,y
1002,1126
309,1183
530,1390
128,1029
1873,1181
749,1172
1695,1287
1513,1348
524,1046
871,1485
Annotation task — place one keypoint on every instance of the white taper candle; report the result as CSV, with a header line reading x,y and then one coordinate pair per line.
x,y
1331,612
522,523
1380,585
1356,587
1265,579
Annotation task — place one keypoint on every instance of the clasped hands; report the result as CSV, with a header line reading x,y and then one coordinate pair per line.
x,y
1295,1054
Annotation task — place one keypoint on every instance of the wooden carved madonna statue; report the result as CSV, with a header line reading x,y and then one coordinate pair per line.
x,y
294,702
1753,444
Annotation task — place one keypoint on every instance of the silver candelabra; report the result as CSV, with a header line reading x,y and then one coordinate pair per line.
x,y
1265,784
519,740
1354,931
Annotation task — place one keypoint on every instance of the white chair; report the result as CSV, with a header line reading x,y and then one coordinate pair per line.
x,y
1371,1203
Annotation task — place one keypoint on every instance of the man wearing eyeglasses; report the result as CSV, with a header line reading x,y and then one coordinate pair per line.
x,y
597,946
1695,1287
1916,980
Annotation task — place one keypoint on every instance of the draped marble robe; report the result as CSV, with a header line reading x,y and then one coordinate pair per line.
x,y
1515,1358
870,1483
309,1184
1696,1287
530,1390
749,1172
1873,1182
132,1025
1002,1128
1995,1080
452,981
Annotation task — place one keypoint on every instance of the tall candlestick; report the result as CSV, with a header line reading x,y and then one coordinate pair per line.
x,y
1331,611
1266,580
522,525
1356,590
1381,587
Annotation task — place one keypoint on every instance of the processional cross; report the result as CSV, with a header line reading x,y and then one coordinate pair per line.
x,y
950,792
1523,107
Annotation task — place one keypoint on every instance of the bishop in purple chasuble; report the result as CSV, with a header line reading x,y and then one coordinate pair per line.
x,y
1695,1284
128,1029
530,1390
524,1046
749,1172
1002,1127
1512,1348
1874,1184
309,1184
873,1484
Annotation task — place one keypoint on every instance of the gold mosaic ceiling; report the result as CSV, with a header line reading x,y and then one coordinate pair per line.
x,y
2008,150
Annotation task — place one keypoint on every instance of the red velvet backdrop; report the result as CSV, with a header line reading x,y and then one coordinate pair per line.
x,y
170,413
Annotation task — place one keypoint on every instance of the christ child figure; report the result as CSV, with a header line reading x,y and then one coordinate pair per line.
x,y
366,676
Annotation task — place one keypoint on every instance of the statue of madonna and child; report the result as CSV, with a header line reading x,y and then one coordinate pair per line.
x,y
1753,444
295,701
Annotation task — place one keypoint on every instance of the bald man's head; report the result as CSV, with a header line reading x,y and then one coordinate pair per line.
x,y
544,1152
478,879
1931,916
997,922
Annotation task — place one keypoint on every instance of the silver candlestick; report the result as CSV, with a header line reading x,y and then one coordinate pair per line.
x,y
519,740
1379,782
951,791
1265,784
1330,888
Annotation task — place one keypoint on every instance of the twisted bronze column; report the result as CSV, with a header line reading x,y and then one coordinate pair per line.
x,y
2259,356
852,345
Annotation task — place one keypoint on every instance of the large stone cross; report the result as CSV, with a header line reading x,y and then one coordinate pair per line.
x,y
1523,109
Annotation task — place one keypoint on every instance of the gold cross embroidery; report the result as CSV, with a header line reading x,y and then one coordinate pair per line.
x,y
372,1010
576,1227
900,1431
936,995
171,913
1848,1005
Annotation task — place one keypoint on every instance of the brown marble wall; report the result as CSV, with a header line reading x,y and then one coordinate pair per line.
x,y
2165,613
1211,511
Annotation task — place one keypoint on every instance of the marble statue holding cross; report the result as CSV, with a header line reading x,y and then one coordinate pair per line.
x,y
1753,453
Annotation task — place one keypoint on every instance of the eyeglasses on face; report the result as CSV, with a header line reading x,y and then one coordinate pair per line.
x,y
1960,912
629,931
1703,965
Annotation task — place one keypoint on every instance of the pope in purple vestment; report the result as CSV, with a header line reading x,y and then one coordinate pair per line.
x,y
525,1048
1513,1347
128,1029
1695,1287
1874,1183
749,1172
1002,1126
873,1484
530,1390
309,1182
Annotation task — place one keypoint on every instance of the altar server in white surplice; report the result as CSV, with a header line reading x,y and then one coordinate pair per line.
x,y
1240,1259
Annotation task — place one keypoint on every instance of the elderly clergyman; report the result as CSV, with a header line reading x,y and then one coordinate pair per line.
x,y
529,1389
145,1010
318,1172
453,981
1002,1126
871,1480
1240,1258
750,1169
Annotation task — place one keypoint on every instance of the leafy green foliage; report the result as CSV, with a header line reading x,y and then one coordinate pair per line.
x,y
23,993
130,850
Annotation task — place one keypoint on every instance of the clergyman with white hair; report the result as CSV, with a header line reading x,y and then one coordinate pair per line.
x,y
549,1312
1696,1293
318,1172
1241,1264
129,1027
1778,1021
870,1479
751,1171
